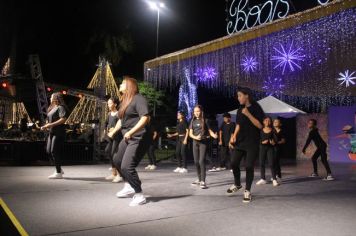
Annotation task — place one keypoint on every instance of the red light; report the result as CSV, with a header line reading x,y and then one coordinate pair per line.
x,y
64,92
4,85
49,89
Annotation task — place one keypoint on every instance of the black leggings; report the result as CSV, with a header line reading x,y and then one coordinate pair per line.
x,y
53,148
224,156
111,149
199,154
267,152
181,155
250,154
320,152
151,154
128,156
277,166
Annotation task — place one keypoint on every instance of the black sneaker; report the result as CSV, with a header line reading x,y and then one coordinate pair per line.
x,y
233,189
247,197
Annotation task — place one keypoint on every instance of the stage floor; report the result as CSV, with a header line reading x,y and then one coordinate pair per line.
x,y
85,204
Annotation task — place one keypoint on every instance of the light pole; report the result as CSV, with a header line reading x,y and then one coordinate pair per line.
x,y
157,6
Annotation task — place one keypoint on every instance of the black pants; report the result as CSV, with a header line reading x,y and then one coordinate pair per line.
x,y
267,153
277,166
151,154
321,152
110,149
53,148
199,154
250,154
128,156
224,156
181,153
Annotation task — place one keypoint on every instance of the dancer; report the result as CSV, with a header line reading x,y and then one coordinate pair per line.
x,y
151,128
200,132
245,141
267,151
226,130
182,140
134,116
277,125
320,151
56,117
113,142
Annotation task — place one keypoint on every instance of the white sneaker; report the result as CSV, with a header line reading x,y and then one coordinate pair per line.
x,y
177,170
110,169
148,167
153,167
110,177
261,182
203,185
247,197
56,176
275,183
329,178
117,179
126,191
212,169
138,199
196,183
183,170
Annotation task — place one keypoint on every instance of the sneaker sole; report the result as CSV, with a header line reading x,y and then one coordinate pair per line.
x,y
138,204
125,196
246,201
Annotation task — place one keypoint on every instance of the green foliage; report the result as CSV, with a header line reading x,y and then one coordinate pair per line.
x,y
153,96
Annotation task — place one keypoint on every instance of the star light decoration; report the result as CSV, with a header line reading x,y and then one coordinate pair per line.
x,y
347,78
290,57
249,64
205,74
273,86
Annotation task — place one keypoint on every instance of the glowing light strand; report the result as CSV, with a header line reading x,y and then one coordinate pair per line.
x,y
273,86
188,96
249,64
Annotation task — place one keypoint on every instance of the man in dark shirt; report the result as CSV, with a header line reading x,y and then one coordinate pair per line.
x,y
226,130
320,151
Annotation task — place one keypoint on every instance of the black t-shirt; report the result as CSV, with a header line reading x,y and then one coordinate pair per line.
x,y
279,136
316,138
55,114
182,127
227,130
197,126
267,136
111,123
136,109
249,135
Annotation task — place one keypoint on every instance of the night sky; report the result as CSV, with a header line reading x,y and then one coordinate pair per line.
x,y
59,31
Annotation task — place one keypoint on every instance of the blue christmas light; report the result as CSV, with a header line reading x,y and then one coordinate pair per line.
x,y
206,73
347,78
188,96
290,57
249,64
273,86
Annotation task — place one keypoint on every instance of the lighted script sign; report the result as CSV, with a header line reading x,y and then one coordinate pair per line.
x,y
242,17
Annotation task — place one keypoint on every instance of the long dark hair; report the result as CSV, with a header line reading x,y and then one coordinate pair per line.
x,y
270,119
115,100
59,98
202,117
182,114
248,92
126,98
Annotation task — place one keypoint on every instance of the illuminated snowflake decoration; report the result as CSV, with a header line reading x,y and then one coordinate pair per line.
x,y
288,57
273,86
206,73
347,78
249,64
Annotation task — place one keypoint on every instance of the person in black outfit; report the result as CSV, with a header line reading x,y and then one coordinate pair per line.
x,y
320,150
23,125
182,140
226,130
245,141
281,140
200,132
134,116
56,117
268,141
151,128
112,143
